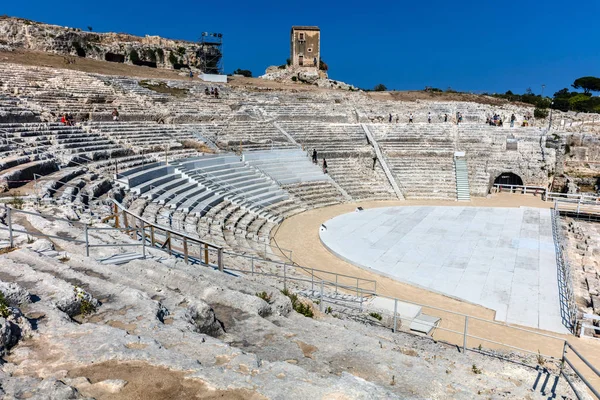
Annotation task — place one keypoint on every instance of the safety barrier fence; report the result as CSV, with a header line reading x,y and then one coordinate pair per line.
x,y
467,331
523,189
565,280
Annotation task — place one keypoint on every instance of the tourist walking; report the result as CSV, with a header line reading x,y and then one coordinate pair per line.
x,y
191,74
324,166
390,117
445,117
314,156
429,117
410,118
115,115
512,120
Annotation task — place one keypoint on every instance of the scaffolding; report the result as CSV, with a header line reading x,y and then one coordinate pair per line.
x,y
211,52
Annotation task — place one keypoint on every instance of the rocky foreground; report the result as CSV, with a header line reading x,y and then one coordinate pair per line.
x,y
74,328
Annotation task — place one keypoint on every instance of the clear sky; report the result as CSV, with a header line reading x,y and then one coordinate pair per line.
x,y
468,45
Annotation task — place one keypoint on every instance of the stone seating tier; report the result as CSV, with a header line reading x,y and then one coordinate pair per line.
x,y
359,180
426,177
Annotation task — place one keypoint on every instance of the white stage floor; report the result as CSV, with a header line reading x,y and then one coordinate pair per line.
x,y
501,258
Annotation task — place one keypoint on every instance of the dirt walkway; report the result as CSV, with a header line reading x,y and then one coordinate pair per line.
x,y
300,234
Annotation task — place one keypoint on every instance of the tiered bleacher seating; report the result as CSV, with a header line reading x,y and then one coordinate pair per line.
x,y
68,143
66,91
330,140
285,166
12,111
421,157
303,110
245,135
359,180
316,194
144,135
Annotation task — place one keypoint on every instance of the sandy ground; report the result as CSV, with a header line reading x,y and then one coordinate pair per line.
x,y
300,234
147,382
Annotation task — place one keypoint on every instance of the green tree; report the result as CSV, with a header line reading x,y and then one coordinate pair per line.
x,y
588,84
380,87
540,113
562,93
323,66
579,102
245,72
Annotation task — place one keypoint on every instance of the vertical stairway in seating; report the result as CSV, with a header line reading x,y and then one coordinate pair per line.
x,y
462,177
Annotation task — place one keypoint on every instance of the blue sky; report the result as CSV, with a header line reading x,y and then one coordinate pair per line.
x,y
467,45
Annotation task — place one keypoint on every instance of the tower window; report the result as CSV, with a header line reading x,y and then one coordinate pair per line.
x,y
309,50
301,36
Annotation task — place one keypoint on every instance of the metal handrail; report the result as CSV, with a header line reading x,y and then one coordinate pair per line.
x,y
566,361
565,270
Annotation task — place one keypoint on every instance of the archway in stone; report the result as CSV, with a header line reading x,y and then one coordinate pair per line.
x,y
508,178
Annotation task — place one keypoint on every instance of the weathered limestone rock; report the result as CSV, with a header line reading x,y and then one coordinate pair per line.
x,y
117,47
203,317
76,302
13,327
308,76
14,294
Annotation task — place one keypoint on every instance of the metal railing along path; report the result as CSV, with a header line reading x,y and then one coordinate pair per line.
x,y
523,189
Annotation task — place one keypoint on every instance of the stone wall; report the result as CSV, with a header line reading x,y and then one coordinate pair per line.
x,y
149,50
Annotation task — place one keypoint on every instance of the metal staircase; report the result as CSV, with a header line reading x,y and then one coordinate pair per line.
x,y
462,177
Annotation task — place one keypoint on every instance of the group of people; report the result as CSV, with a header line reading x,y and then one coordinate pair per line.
x,y
495,120
212,92
315,160
411,118
68,119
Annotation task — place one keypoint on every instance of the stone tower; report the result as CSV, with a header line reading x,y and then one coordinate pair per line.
x,y
305,46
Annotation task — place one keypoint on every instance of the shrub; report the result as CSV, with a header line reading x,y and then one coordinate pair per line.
x,y
567,149
16,201
323,66
86,307
283,66
328,310
181,50
265,296
540,359
173,58
245,72
134,56
90,28
540,113
475,370
380,88
288,61
375,315
294,78
4,311
297,305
